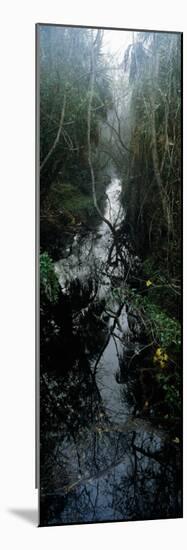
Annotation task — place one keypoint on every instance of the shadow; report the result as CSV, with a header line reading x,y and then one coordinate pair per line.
x,y
30,515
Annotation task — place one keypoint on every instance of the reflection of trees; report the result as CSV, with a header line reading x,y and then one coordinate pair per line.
x,y
149,490
110,475
91,470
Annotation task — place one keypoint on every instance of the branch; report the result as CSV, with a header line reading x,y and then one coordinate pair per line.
x,y
155,156
118,313
50,152
119,137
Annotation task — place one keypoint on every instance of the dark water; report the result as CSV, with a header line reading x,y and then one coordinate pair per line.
x,y
99,461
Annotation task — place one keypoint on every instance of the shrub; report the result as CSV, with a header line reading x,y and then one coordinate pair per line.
x,y
49,285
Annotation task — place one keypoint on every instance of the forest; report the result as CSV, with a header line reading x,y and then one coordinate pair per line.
x,y
110,274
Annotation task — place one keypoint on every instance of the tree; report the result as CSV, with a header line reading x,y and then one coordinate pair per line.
x,y
153,188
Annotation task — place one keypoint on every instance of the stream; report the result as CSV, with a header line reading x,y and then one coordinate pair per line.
x,y
91,258
99,460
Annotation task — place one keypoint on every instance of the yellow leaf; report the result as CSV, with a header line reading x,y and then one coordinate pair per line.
x,y
158,352
162,364
148,283
176,440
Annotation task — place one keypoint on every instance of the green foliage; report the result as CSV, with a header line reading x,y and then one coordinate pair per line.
x,y
170,384
166,330
49,284
164,334
70,198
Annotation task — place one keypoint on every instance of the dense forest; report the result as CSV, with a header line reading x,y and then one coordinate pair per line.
x,y
110,275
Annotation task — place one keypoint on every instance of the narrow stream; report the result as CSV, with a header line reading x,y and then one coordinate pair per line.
x,y
90,259
102,462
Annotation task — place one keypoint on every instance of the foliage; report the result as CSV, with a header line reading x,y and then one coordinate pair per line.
x,y
161,358
170,384
151,188
49,284
65,186
163,335
165,330
152,197
65,72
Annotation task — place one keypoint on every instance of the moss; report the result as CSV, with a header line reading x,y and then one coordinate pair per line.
x,y
71,203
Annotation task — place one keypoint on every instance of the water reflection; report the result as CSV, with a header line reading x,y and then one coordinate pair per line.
x,y
99,462
102,473
94,468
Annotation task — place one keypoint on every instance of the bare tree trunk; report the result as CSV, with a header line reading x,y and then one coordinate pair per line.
x,y
162,191
50,152
61,123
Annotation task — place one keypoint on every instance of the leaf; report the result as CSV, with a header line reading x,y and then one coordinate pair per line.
x,y
148,283
176,440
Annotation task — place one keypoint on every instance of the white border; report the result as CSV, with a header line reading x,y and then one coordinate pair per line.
x,y
17,129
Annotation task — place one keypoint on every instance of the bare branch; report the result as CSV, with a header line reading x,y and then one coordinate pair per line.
x,y
50,152
119,137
